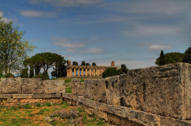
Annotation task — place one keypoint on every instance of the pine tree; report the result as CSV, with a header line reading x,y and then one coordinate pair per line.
x,y
187,56
162,58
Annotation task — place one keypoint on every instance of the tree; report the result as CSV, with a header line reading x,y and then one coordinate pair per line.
x,y
161,58
60,69
83,63
111,72
45,61
13,49
93,64
75,63
173,57
187,56
124,68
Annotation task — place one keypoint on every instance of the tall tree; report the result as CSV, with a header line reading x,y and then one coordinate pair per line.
x,y
187,56
45,61
13,49
124,68
162,58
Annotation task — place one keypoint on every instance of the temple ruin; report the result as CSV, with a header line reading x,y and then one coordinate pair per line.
x,y
86,71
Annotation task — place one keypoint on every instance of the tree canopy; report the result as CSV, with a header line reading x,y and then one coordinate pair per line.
x,y
168,58
187,57
45,61
114,71
13,48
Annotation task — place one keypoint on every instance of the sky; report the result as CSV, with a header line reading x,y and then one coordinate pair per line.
x,y
131,32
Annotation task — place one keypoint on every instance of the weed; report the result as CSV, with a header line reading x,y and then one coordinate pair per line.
x,y
42,111
27,106
80,109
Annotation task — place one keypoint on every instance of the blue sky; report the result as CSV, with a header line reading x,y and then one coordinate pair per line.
x,y
128,31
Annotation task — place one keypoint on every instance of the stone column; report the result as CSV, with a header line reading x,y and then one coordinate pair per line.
x,y
97,71
69,72
86,72
74,72
94,72
82,72
78,72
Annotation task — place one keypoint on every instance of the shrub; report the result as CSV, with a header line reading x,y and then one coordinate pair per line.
x,y
9,75
111,72
68,80
27,106
43,76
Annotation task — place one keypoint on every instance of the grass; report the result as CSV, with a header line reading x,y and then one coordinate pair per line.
x,y
68,80
34,115
68,90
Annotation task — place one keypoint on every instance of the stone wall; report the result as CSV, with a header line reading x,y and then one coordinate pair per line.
x,y
30,86
162,90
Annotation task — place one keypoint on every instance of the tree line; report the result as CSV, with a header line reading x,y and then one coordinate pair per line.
x,y
174,57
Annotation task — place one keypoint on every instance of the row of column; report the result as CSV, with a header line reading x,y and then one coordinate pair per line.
x,y
86,72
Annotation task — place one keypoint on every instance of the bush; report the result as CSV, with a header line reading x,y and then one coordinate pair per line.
x,y
68,80
24,73
27,106
9,75
43,76
111,72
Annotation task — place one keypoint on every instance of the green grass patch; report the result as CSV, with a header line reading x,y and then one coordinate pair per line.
x,y
65,104
68,80
80,109
68,90
27,106
42,111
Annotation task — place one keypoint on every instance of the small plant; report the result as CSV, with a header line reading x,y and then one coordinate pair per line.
x,y
27,106
100,123
43,110
48,104
84,118
82,80
80,109
13,108
38,105
68,80
65,104
68,90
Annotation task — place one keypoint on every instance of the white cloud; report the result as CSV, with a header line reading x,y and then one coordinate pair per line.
x,y
4,18
93,51
66,3
65,43
159,47
159,7
34,13
149,30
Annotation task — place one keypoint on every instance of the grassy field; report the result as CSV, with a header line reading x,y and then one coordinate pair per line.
x,y
41,115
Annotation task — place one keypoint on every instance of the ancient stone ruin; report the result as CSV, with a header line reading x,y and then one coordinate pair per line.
x,y
86,71
155,96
